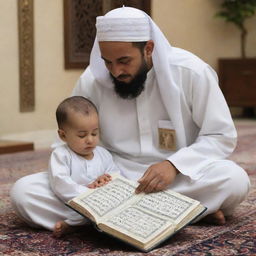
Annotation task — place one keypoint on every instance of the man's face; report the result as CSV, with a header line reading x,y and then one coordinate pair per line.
x,y
127,66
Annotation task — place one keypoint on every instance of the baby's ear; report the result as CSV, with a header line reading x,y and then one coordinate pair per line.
x,y
62,134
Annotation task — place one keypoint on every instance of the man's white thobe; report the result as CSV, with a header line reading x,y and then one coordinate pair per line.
x,y
205,138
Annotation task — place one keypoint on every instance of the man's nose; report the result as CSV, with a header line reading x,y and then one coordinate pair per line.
x,y
116,70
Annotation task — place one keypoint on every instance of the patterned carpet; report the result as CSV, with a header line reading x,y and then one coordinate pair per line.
x,y
237,237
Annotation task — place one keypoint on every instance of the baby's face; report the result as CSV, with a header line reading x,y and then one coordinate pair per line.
x,y
82,133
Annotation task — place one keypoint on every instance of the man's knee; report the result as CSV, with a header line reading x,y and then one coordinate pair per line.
x,y
237,179
235,187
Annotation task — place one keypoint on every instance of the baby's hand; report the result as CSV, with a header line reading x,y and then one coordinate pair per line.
x,y
100,181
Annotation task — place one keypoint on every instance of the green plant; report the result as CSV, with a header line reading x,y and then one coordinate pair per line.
x,y
236,12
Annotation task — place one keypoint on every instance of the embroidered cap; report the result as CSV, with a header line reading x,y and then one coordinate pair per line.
x,y
122,25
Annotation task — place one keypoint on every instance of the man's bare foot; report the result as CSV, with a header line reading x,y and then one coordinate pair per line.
x,y
216,218
61,228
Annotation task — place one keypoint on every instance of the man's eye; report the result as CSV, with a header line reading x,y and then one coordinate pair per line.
x,y
81,136
94,134
107,62
125,62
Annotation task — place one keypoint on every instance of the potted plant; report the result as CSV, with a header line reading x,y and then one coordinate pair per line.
x,y
238,75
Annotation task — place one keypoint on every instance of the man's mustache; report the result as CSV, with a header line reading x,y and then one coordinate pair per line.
x,y
123,76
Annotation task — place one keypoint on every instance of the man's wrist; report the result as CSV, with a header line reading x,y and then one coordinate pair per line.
x,y
177,171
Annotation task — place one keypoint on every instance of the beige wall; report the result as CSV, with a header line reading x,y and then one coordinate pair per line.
x,y
188,24
191,25
52,81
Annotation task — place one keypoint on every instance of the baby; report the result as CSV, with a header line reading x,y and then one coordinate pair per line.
x,y
78,164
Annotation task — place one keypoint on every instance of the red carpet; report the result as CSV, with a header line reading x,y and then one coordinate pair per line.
x,y
237,237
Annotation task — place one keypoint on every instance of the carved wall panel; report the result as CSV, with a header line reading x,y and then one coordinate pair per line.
x,y
26,55
140,4
79,26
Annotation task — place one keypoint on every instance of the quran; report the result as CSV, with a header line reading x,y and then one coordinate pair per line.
x,y
141,220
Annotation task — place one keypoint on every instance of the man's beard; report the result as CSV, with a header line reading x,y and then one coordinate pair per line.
x,y
133,88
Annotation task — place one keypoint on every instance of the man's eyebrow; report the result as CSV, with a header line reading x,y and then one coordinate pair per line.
x,y
119,59
123,58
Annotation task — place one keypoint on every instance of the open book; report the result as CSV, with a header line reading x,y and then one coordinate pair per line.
x,y
142,220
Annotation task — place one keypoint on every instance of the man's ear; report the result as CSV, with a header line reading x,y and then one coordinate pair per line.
x,y
62,134
149,47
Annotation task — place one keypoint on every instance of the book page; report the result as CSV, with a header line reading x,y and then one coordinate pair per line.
x,y
106,198
151,215
137,223
167,204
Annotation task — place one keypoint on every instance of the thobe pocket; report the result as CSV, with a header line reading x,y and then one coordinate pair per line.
x,y
166,135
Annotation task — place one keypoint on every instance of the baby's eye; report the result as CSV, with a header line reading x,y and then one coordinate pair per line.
x,y
81,136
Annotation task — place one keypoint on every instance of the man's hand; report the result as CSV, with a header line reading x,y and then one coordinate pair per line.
x,y
100,181
157,177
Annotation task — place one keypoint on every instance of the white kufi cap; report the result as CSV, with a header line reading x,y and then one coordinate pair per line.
x,y
123,24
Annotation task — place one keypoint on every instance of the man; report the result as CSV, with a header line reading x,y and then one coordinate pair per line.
x,y
162,116
146,90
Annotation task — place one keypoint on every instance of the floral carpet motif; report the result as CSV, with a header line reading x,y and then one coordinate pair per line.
x,y
237,237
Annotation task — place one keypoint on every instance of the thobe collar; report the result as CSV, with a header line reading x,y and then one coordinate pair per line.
x,y
149,80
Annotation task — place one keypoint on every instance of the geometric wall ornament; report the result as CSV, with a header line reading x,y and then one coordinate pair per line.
x,y
79,26
144,5
26,55
79,30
